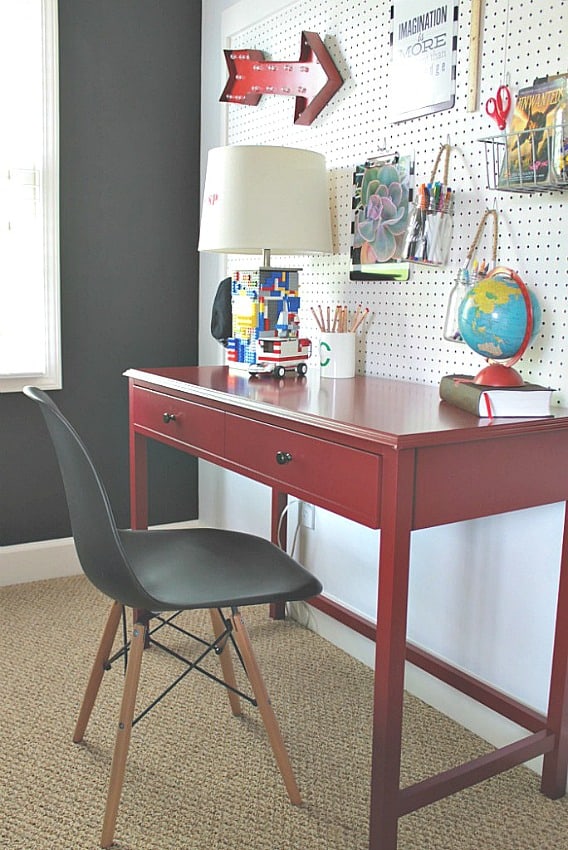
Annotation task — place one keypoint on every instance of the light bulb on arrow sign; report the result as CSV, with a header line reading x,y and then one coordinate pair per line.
x,y
312,80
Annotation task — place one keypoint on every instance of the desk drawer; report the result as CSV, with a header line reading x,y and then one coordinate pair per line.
x,y
341,479
177,421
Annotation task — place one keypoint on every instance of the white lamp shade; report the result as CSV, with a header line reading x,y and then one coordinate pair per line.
x,y
259,197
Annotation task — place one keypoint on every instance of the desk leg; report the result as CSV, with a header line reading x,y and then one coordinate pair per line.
x,y
279,502
138,456
398,474
555,764
138,481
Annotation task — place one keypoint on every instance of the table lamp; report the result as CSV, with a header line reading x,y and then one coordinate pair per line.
x,y
260,199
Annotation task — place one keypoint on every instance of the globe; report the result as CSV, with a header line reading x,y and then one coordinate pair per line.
x,y
494,321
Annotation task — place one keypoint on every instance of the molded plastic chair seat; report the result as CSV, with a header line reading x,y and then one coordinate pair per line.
x,y
154,571
203,568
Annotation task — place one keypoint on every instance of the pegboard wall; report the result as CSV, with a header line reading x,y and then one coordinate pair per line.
x,y
521,39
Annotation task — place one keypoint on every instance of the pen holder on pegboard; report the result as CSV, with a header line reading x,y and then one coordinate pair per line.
x,y
468,275
430,225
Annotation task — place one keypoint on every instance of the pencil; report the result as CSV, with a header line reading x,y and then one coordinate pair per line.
x,y
355,318
361,319
316,317
335,319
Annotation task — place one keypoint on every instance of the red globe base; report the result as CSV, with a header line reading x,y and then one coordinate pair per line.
x,y
498,375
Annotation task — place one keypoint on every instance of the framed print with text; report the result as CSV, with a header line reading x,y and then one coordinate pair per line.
x,y
423,61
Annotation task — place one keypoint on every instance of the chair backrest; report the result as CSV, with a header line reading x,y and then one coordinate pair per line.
x,y
94,529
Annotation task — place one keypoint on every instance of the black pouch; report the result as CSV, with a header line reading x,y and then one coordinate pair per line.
x,y
222,313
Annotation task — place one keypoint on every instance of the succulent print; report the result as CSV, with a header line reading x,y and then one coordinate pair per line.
x,y
382,215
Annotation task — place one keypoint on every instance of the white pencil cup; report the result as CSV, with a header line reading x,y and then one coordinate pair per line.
x,y
337,355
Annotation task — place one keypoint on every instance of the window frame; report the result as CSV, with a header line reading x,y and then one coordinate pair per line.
x,y
51,377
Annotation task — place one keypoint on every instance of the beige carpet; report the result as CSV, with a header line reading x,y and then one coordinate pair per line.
x,y
200,779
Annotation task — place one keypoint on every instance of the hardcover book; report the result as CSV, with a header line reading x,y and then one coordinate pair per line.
x,y
489,402
536,149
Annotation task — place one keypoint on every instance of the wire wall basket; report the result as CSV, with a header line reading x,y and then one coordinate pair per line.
x,y
529,161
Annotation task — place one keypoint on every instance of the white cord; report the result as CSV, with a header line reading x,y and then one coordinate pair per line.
x,y
280,521
299,607
302,610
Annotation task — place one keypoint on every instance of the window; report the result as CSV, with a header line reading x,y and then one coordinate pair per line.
x,y
30,350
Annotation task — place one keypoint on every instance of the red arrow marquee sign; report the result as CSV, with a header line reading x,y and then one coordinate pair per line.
x,y
313,80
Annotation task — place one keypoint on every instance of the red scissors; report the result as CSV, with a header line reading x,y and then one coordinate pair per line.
x,y
499,107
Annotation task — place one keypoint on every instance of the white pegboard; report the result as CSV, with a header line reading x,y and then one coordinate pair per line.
x,y
521,39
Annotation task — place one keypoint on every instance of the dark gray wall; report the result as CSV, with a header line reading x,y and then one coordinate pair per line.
x,y
129,141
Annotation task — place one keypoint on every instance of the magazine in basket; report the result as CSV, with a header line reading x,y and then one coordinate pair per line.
x,y
536,149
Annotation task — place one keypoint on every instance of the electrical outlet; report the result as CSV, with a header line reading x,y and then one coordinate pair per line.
x,y
307,515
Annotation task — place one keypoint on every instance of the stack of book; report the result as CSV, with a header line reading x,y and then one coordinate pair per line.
x,y
536,149
490,402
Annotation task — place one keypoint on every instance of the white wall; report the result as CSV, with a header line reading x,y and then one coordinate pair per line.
x,y
482,592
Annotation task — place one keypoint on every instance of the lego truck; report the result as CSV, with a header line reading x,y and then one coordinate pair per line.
x,y
277,355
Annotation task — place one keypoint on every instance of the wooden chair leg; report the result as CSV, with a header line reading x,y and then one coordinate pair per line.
x,y
267,713
97,672
226,661
124,731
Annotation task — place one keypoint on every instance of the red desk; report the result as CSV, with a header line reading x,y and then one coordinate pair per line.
x,y
389,455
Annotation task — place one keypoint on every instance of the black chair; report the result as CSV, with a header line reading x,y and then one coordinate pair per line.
x,y
158,571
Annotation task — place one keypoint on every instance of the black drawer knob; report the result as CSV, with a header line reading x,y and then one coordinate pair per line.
x,y
169,417
283,457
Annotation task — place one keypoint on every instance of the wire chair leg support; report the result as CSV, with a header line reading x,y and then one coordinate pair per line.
x,y
242,639
226,661
97,672
124,731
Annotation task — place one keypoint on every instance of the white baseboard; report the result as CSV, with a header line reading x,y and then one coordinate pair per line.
x,y
470,714
36,561
47,558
